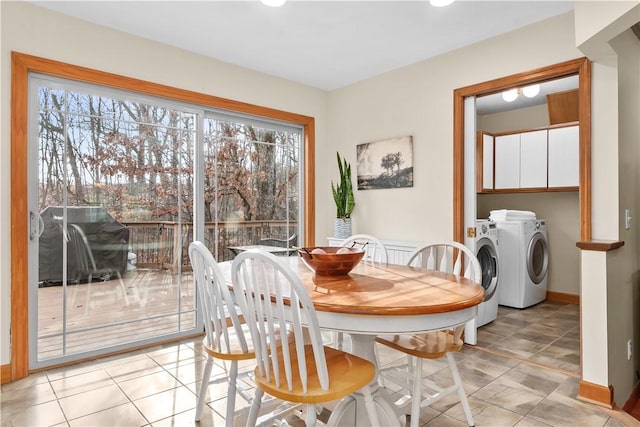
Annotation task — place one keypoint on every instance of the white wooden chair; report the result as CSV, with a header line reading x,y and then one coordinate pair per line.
x,y
374,252
449,257
374,249
304,371
227,336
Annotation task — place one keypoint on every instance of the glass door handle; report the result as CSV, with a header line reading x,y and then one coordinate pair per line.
x,y
36,225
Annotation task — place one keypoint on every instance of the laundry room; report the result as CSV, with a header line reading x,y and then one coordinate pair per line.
x,y
527,164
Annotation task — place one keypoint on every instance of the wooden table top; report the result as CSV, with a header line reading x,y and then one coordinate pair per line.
x,y
387,289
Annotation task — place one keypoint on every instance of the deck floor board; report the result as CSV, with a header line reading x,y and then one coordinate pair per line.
x,y
149,310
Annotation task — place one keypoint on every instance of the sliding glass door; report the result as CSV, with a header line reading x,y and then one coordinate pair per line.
x,y
120,184
112,218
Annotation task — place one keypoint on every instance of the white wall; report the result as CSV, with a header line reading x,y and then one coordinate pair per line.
x,y
36,31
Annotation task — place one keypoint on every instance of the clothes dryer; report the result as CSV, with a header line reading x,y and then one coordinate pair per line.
x,y
524,256
486,250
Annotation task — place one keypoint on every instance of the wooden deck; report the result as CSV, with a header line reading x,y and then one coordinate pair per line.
x,y
143,304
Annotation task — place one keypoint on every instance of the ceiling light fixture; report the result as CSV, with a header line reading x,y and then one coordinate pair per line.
x,y
510,95
440,3
531,91
274,3
528,91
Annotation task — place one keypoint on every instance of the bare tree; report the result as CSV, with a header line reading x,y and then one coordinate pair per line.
x,y
136,159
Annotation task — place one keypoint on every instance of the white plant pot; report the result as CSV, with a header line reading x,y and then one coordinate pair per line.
x,y
342,228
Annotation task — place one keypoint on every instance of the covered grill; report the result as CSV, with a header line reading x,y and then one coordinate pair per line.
x,y
107,239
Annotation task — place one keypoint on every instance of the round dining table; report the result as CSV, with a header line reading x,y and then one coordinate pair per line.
x,y
378,299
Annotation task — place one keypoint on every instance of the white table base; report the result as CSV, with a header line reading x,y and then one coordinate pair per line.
x,y
351,411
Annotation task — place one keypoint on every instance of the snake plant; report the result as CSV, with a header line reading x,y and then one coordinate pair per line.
x,y
343,191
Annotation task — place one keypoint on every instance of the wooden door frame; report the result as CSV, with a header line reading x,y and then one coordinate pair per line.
x,y
580,67
23,64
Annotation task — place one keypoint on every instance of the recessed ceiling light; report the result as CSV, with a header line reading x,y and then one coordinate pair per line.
x,y
274,3
440,3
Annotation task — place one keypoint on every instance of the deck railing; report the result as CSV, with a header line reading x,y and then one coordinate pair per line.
x,y
165,244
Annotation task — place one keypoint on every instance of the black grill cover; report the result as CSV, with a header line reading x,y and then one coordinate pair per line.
x,y
108,240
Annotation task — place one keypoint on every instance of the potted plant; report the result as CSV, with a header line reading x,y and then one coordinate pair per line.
x,y
343,197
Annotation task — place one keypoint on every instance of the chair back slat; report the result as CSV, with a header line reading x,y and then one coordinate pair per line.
x,y
270,293
374,250
450,257
219,313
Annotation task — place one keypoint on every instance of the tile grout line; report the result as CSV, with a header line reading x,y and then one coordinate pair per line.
x,y
127,396
525,361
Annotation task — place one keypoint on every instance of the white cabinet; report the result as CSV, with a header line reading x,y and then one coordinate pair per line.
x,y
543,159
487,161
507,167
564,162
533,159
521,160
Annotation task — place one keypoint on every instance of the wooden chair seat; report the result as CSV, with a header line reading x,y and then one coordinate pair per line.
x,y
427,345
347,374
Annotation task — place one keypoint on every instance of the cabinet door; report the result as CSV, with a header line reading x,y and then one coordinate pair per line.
x,y
487,161
563,157
507,166
533,159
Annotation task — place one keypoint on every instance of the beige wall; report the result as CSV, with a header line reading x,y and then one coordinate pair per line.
x,y
418,101
33,30
598,21
623,294
611,277
520,119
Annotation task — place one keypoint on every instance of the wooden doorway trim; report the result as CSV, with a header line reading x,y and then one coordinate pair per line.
x,y
580,67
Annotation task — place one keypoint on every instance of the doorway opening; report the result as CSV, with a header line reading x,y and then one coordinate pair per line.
x,y
579,68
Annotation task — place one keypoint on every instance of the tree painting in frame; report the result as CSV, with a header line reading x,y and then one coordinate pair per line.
x,y
385,164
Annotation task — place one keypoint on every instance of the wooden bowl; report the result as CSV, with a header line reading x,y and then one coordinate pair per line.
x,y
331,263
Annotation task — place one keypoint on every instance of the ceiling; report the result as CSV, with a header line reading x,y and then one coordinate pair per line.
x,y
324,44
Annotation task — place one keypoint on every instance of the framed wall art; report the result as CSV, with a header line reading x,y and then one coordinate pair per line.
x,y
385,164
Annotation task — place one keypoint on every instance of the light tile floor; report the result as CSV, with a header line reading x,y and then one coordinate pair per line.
x,y
547,333
506,384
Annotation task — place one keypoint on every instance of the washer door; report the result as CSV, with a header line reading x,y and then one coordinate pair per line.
x,y
537,258
488,257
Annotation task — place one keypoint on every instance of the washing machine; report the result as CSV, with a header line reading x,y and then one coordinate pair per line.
x,y
524,257
486,250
